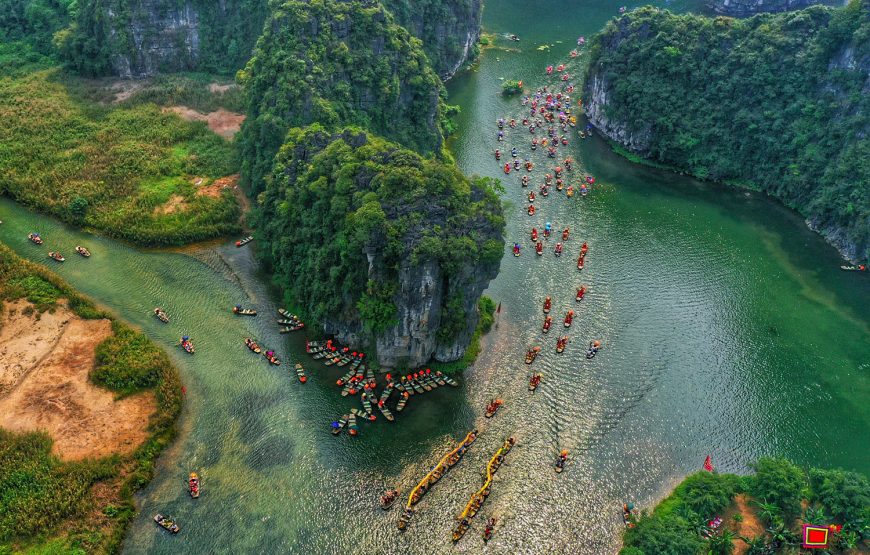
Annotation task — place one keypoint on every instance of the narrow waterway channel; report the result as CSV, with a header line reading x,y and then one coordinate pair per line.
x,y
728,330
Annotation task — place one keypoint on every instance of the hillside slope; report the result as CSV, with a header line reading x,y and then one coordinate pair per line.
x,y
780,103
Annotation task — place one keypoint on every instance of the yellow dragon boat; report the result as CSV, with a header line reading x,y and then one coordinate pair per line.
x,y
478,497
446,462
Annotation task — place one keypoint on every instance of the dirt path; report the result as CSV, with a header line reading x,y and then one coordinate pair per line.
x,y
45,360
224,123
749,527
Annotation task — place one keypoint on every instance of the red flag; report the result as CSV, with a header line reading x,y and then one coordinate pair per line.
x,y
498,310
708,464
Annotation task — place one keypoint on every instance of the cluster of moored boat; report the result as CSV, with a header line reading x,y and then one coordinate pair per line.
x,y
360,380
36,239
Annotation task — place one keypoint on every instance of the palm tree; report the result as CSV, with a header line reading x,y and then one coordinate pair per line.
x,y
815,515
767,511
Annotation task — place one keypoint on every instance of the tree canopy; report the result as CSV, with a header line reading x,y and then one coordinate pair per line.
x,y
338,201
336,63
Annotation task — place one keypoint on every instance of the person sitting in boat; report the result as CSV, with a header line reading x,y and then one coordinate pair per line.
x,y
513,123
548,227
558,250
545,190
516,164
590,180
525,181
514,152
551,152
539,248
535,144
529,165
548,321
501,123
549,70
501,135
497,154
531,196
584,248
581,292
516,251
507,168
569,317
534,234
569,192
583,189
547,303
558,171
562,459
548,179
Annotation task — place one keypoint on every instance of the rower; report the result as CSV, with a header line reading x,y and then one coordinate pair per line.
x,y
565,234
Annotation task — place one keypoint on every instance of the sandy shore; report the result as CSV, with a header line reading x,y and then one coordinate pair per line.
x,y
45,360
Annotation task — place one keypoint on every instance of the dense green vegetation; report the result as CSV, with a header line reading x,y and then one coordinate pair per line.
x,y
225,33
336,63
113,169
774,102
784,496
46,502
511,87
335,199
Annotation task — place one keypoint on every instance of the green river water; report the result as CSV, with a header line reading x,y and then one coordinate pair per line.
x,y
728,329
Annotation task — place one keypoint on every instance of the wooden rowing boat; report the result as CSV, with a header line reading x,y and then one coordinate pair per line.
x,y
239,311
166,523
193,485
403,400
352,428
56,256
288,329
300,373
83,251
253,346
162,316
450,381
342,422
245,241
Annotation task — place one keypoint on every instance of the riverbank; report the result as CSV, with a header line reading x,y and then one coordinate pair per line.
x,y
87,404
763,512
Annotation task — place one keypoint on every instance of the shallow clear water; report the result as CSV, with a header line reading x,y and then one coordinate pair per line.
x,y
728,330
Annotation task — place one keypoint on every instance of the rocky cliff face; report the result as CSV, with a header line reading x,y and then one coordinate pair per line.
x,y
746,8
598,90
140,38
449,29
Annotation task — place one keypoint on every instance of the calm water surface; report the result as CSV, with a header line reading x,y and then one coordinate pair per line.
x,y
728,330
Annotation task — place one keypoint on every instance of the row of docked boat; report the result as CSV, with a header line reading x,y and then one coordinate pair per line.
x,y
289,322
446,463
478,497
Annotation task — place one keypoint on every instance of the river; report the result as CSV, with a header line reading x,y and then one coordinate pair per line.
x,y
728,330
